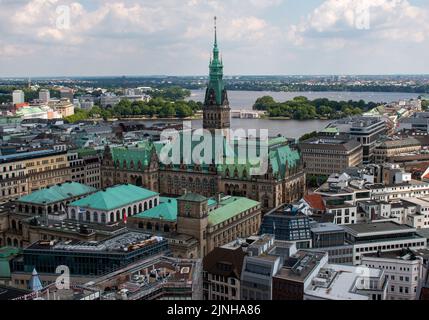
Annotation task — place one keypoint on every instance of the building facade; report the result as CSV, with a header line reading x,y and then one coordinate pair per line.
x,y
324,156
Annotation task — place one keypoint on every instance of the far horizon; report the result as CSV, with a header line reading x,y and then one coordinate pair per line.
x,y
226,76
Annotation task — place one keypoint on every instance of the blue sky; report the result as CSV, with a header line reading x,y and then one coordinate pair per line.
x,y
174,37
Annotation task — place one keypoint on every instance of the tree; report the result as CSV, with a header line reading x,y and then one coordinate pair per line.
x,y
264,103
167,111
308,136
183,111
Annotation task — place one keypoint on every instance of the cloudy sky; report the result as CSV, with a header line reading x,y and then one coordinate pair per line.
x,y
174,37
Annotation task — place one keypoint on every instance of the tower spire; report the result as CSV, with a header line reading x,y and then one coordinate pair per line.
x,y
215,31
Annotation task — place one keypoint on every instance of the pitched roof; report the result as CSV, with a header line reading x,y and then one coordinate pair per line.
x,y
193,197
114,197
57,193
133,156
7,252
315,201
215,261
229,208
166,210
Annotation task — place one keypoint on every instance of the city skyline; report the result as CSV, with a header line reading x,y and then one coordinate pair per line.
x,y
48,38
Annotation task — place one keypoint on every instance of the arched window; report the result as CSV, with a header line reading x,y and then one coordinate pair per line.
x,y
73,214
150,204
26,209
49,209
33,209
166,228
112,217
80,216
55,208
129,212
88,216
40,211
118,215
140,208
15,243
9,242
145,206
157,227
13,224
20,208
149,226
155,202
141,225
135,209
95,216
103,217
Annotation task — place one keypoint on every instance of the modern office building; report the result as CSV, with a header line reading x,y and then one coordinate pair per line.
x,y
18,97
264,259
307,275
386,150
288,224
404,268
327,155
86,260
381,237
365,130
341,282
44,95
296,274
67,94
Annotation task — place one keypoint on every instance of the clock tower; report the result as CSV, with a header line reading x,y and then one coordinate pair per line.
x,y
192,218
217,113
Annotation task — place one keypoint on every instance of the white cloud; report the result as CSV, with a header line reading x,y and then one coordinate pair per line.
x,y
352,22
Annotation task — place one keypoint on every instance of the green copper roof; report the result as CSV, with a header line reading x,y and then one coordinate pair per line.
x,y
57,193
229,208
212,202
283,157
216,93
136,156
166,210
7,252
276,141
280,155
193,197
114,197
87,152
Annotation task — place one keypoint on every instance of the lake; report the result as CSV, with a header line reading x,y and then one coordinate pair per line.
x,y
293,128
246,99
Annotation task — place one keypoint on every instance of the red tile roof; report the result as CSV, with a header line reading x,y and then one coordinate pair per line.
x,y
315,201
